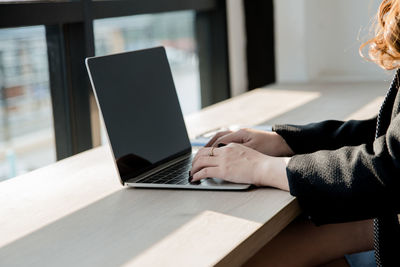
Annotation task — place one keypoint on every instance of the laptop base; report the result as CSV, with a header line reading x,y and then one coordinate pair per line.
x,y
205,184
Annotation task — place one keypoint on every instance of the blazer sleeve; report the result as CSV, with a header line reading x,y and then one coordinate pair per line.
x,y
350,183
329,134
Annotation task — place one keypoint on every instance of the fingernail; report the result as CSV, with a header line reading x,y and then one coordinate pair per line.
x,y
221,145
190,178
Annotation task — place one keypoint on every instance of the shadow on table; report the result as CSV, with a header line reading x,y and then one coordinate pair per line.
x,y
95,235
112,231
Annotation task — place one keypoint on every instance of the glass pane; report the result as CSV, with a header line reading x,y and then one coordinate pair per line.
x,y
26,121
173,30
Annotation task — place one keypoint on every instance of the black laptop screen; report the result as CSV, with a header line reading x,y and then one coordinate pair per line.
x,y
140,107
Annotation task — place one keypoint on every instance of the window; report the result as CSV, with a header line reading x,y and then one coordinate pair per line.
x,y
193,32
26,131
173,30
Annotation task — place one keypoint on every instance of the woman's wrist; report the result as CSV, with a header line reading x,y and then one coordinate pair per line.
x,y
282,147
272,172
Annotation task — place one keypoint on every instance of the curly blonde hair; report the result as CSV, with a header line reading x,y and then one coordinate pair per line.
x,y
384,48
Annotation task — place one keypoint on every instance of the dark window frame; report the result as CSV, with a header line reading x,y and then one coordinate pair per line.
x,y
70,38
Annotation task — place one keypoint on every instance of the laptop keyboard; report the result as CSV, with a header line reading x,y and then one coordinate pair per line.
x,y
175,174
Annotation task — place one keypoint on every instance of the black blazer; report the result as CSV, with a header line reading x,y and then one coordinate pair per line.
x,y
348,171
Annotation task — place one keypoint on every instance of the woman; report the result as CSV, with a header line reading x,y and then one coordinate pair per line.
x,y
340,172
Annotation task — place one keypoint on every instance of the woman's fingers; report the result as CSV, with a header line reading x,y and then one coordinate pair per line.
x,y
202,162
215,137
206,151
235,137
207,172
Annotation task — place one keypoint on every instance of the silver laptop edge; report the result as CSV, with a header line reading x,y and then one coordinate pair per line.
x,y
206,184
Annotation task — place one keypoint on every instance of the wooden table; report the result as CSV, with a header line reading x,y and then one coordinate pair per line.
x,y
75,212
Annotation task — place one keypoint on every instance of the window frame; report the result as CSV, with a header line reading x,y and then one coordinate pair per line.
x,y
70,38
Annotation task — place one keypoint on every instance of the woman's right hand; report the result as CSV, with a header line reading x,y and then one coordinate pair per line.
x,y
269,143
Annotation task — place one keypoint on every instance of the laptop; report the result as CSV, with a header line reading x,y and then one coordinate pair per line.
x,y
136,96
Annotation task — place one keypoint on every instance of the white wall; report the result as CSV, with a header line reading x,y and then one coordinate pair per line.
x,y
316,40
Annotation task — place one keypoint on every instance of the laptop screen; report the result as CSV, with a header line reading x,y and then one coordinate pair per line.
x,y
140,107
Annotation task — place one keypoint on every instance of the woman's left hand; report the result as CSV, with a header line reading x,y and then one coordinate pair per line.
x,y
240,164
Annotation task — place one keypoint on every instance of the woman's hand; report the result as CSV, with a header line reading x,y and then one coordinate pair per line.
x,y
240,164
268,143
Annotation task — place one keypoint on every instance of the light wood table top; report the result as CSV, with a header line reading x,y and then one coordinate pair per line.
x,y
75,212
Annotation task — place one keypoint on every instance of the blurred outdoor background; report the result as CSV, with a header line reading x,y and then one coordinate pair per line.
x,y
26,131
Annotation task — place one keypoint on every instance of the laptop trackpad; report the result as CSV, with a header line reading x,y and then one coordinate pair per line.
x,y
214,182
